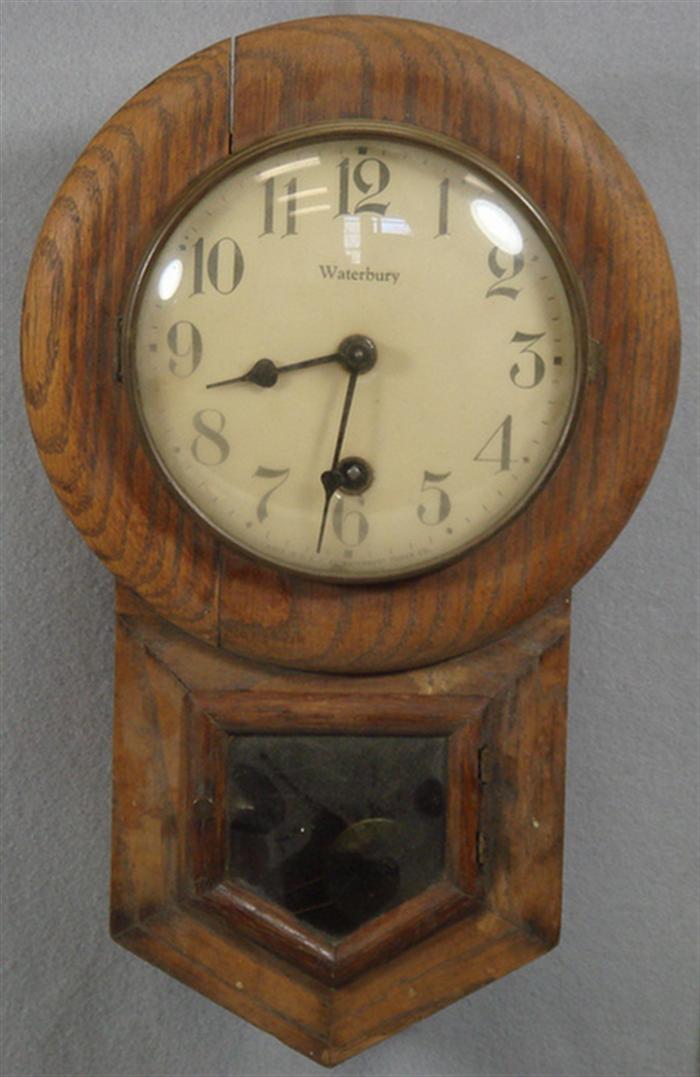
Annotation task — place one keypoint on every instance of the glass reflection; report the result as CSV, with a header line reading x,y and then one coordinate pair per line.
x,y
497,225
475,180
290,166
309,193
337,829
352,239
304,211
170,279
395,226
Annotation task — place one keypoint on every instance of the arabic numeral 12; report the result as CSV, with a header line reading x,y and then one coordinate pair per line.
x,y
371,177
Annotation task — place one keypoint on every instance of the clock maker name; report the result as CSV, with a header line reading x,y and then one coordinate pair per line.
x,y
373,276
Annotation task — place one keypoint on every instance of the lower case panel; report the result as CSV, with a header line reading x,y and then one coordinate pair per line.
x,y
431,879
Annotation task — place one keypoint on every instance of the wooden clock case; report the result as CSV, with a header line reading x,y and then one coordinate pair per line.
x,y
210,644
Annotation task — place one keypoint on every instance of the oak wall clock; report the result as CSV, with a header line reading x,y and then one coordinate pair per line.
x,y
347,370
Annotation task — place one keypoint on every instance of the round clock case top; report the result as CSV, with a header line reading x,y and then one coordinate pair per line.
x,y
357,355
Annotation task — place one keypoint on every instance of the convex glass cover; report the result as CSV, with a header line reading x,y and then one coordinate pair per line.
x,y
357,354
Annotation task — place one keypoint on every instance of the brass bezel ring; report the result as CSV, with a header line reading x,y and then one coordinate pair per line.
x,y
359,129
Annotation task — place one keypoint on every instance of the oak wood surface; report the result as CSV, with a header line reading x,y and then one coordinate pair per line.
x,y
260,920
460,686
89,247
296,74
496,906
180,692
322,69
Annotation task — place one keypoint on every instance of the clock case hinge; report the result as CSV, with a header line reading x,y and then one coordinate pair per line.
x,y
484,776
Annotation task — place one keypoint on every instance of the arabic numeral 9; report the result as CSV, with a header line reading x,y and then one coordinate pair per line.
x,y
185,342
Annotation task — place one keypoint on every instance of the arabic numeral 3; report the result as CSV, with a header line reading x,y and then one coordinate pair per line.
x,y
537,369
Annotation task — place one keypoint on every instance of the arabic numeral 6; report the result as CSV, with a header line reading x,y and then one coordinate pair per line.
x,y
350,527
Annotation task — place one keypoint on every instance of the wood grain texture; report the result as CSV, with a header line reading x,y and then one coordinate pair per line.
x,y
185,601
261,921
292,75
89,248
497,905
457,683
314,70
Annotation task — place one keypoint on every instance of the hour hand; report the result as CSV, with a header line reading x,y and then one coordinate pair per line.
x,y
265,372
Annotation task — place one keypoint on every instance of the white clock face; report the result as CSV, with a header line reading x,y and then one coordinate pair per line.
x,y
445,336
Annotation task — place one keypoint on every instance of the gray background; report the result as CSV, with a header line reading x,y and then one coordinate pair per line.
x,y
619,995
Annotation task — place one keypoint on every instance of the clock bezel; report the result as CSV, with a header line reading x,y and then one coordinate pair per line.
x,y
331,131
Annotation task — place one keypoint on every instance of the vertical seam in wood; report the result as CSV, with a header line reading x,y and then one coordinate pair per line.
x,y
231,85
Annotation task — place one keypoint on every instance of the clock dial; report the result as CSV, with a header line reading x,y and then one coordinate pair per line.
x,y
356,356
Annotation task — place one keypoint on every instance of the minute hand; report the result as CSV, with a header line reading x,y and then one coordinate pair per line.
x,y
332,480
265,372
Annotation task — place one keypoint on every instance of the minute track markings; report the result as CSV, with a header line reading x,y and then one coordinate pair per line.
x,y
289,432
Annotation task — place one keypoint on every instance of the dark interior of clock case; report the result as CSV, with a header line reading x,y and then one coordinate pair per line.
x,y
336,829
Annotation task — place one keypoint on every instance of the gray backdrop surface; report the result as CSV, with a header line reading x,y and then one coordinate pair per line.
x,y
619,996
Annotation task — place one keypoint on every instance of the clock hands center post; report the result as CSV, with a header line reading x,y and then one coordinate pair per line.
x,y
358,354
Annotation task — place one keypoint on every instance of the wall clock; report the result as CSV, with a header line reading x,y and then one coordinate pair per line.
x,y
348,370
